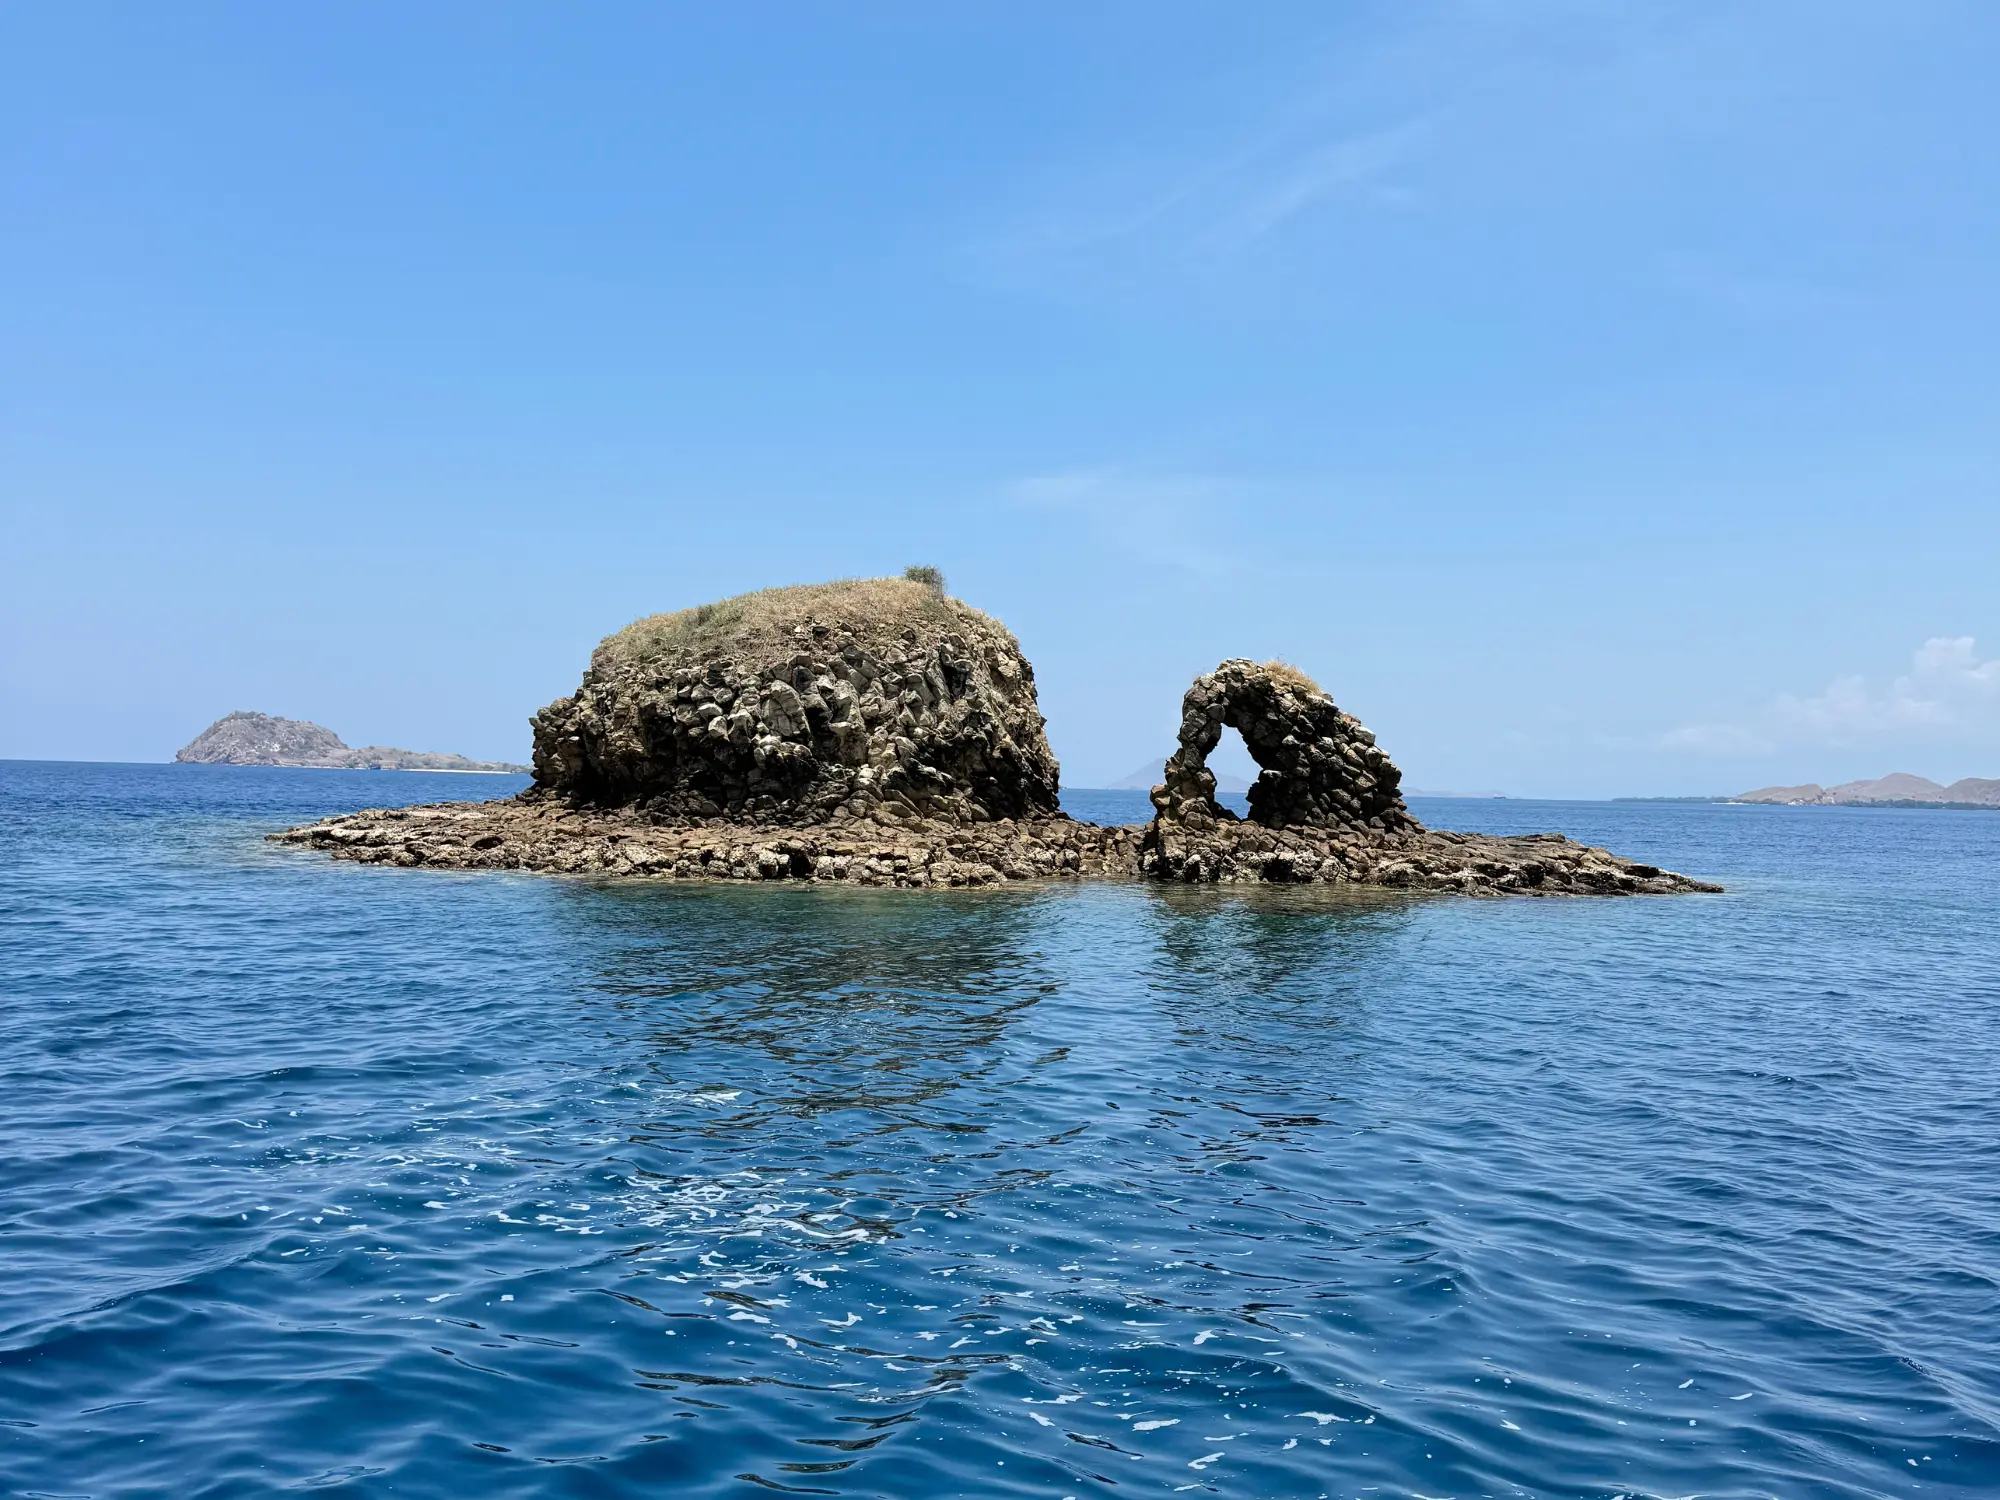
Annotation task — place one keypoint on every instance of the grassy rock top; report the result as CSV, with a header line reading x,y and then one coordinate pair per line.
x,y
1285,675
766,623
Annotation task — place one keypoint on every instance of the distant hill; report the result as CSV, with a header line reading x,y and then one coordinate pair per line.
x,y
1153,773
247,739
1898,788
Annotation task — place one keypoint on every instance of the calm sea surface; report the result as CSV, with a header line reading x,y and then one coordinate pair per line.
x,y
405,1183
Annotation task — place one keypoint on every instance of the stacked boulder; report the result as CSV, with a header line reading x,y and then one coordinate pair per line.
x,y
1321,767
1327,808
881,700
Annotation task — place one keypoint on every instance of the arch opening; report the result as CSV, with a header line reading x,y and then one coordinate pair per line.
x,y
1234,769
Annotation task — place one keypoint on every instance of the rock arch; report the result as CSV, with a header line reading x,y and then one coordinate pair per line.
x,y
1320,767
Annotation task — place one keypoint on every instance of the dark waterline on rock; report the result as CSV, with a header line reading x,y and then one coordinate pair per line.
x,y
401,1182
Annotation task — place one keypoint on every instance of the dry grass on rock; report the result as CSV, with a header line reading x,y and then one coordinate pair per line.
x,y
1287,675
876,610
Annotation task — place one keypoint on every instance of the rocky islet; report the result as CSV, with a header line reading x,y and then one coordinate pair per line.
x,y
879,699
879,732
253,739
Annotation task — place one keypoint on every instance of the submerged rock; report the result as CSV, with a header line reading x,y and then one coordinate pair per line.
x,y
877,732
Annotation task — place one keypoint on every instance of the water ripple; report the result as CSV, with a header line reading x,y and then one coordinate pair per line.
x,y
324,1177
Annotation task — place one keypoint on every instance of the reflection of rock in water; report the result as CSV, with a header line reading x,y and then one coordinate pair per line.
x,y
860,1001
784,1033
847,1019
876,732
1252,947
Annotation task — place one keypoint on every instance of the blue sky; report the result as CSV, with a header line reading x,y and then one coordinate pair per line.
x,y
1597,398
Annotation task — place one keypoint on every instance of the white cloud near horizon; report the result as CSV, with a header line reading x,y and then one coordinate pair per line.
x,y
1946,684
1947,688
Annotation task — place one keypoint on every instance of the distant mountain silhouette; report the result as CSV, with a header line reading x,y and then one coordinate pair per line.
x,y
1153,773
249,739
1897,787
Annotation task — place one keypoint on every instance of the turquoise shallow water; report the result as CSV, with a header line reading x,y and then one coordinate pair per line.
x,y
406,1183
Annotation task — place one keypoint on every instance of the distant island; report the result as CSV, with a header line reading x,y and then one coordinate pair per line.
x,y
1899,789
247,739
1153,773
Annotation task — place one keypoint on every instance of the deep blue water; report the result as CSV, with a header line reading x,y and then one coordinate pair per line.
x,y
417,1184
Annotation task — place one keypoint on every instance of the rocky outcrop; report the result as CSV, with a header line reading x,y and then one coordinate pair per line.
x,y
1423,859
880,733
250,739
1327,807
1320,767
877,700
547,834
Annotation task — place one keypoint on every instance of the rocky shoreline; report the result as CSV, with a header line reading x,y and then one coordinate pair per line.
x,y
877,732
545,835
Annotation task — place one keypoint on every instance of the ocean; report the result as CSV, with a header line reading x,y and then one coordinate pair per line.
x,y
389,1182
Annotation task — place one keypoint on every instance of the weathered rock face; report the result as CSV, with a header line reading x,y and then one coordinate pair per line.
x,y
1321,767
879,699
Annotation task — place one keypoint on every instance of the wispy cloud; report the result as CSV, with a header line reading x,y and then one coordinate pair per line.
x,y
1947,689
1947,683
1179,520
1486,114
1715,739
1224,204
1284,187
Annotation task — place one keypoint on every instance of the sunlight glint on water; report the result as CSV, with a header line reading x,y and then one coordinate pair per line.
x,y
398,1182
